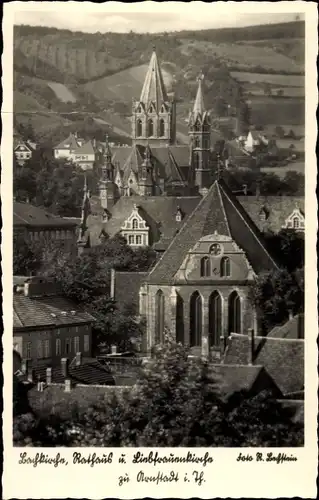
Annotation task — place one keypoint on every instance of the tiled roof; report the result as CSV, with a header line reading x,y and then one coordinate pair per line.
x,y
294,328
88,373
278,209
28,215
283,359
68,143
218,211
46,311
127,286
87,149
158,211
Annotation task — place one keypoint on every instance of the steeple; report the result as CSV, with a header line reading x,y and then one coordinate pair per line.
x,y
107,187
146,182
154,114
154,90
85,212
199,104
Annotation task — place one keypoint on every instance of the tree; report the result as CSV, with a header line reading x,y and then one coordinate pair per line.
x,y
274,294
279,131
288,247
243,118
267,89
26,258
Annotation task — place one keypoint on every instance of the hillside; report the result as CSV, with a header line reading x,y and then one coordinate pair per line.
x,y
60,72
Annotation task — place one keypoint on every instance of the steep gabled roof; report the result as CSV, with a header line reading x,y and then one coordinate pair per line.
x,y
27,215
68,143
218,211
153,89
199,104
86,149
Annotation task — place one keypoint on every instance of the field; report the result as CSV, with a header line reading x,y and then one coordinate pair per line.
x,y
283,80
284,91
62,92
265,110
125,84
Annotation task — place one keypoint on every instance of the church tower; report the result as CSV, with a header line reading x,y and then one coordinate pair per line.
x,y
82,241
199,134
107,186
146,180
154,114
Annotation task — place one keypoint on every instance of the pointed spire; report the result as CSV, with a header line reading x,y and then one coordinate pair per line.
x,y
199,104
153,89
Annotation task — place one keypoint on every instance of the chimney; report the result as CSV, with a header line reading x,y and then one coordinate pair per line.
x,y
112,286
78,359
24,366
245,189
94,143
113,349
49,376
65,367
251,346
30,375
67,385
291,314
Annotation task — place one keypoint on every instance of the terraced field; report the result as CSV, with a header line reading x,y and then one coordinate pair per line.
x,y
284,80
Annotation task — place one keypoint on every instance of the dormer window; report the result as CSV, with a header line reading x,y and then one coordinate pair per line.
x,y
152,109
295,223
163,110
134,224
263,214
139,109
178,215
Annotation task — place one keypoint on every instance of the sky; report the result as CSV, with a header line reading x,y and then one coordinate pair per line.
x,y
149,16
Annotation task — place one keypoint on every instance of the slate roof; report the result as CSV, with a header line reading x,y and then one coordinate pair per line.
x,y
46,311
127,286
218,211
69,143
278,208
87,149
158,211
294,328
30,216
283,359
153,88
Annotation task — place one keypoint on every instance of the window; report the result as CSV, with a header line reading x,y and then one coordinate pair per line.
x,y
215,318
40,349
47,348
86,343
139,128
195,320
76,344
135,224
160,316
197,126
67,346
225,267
139,240
150,128
162,128
234,313
295,223
58,347
196,142
131,239
28,350
196,160
205,269
179,319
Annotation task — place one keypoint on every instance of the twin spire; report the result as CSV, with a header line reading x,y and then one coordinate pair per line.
x,y
154,90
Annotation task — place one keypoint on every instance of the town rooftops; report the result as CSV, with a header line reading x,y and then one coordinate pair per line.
x,y
294,328
283,359
86,149
69,143
25,214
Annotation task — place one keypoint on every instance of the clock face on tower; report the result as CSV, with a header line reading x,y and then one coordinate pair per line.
x,y
215,249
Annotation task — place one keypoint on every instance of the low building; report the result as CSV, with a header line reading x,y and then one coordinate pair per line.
x,y
83,153
46,326
35,224
24,150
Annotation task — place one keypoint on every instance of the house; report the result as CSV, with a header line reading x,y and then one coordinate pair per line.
x,y
83,153
253,140
23,151
36,224
66,148
46,326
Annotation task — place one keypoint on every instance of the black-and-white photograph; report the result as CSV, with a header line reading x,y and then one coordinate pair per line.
x,y
158,229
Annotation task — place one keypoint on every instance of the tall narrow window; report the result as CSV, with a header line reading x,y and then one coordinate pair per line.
x,y
86,343
295,223
215,318
67,346
47,348
196,160
225,267
162,128
139,128
135,224
139,240
196,142
195,320
28,350
205,269
234,313
58,347
179,319
76,344
150,128
131,239
40,349
160,316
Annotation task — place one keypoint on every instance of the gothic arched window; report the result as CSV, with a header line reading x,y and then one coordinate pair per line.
x,y
179,319
196,142
195,320
215,318
205,267
225,267
196,160
197,126
160,316
162,128
139,128
150,128
135,224
234,313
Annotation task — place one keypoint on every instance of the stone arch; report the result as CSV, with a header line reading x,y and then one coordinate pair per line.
x,y
150,128
139,128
